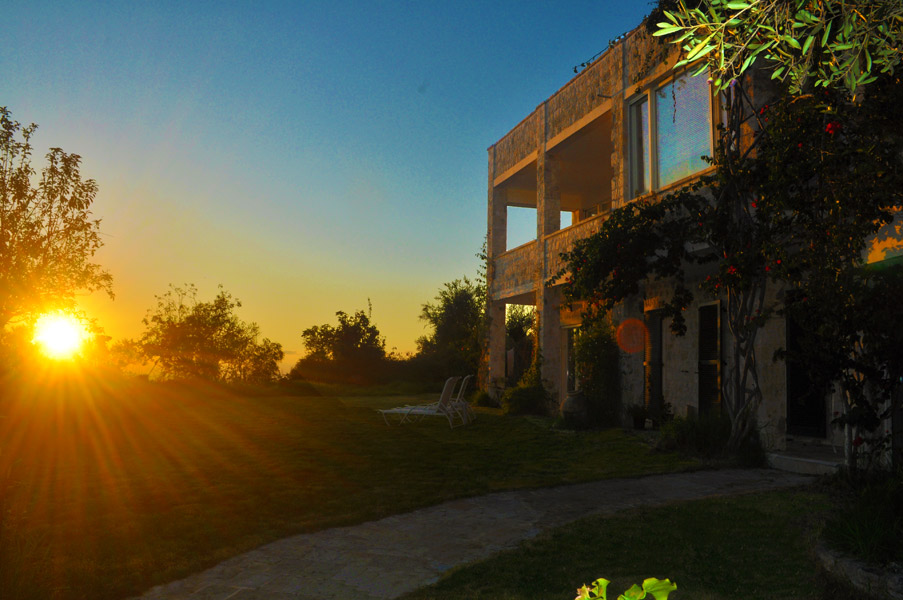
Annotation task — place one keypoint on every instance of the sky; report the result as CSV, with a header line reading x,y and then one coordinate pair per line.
x,y
307,156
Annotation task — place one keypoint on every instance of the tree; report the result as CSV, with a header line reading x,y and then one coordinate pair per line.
x,y
351,352
793,208
355,340
520,331
456,319
191,339
830,43
47,235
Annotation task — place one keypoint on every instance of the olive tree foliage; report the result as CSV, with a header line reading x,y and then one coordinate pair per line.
x,y
187,338
47,234
841,44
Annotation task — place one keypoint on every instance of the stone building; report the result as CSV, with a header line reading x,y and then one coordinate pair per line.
x,y
627,126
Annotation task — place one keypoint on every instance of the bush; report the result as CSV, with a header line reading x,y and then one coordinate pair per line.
x,y
870,524
529,397
707,436
525,400
704,436
597,356
482,398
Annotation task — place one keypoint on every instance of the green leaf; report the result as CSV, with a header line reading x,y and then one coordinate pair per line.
x,y
634,593
737,5
868,61
746,63
659,588
700,48
600,587
665,29
792,41
808,43
777,73
824,37
670,17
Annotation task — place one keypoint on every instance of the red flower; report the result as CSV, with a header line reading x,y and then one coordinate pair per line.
x,y
732,270
767,268
857,442
754,204
833,127
800,145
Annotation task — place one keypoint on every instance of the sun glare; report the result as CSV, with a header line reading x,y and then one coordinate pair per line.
x,y
59,335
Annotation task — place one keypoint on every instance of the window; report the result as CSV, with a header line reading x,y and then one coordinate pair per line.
x,y
670,129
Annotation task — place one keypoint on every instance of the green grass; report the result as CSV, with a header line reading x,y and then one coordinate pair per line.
x,y
117,486
750,547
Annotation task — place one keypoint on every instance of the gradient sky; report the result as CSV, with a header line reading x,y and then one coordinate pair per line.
x,y
305,155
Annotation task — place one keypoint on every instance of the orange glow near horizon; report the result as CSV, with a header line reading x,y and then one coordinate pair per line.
x,y
59,336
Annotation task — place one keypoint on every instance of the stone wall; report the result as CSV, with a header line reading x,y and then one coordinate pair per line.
x,y
518,143
583,93
563,240
515,272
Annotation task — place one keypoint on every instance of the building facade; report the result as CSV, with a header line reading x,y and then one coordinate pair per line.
x,y
627,127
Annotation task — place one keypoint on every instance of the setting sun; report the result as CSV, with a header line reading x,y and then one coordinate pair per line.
x,y
59,335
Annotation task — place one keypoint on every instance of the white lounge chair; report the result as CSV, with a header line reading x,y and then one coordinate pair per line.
x,y
445,407
461,404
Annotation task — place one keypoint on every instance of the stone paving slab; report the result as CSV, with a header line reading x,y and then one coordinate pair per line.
x,y
385,559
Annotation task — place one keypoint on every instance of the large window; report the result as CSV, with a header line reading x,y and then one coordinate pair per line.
x,y
670,130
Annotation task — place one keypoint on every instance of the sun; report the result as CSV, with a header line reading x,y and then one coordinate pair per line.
x,y
59,335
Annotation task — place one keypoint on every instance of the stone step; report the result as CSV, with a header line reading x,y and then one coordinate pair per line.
x,y
803,465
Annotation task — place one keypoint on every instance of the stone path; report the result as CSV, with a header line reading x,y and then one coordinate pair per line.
x,y
390,557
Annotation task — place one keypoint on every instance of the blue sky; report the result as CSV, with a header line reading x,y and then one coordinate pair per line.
x,y
305,155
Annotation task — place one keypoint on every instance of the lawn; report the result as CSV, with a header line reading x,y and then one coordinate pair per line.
x,y
754,547
110,486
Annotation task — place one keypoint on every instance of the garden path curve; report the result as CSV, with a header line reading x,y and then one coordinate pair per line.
x,y
384,559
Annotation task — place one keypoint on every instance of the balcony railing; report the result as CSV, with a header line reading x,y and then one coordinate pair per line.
x,y
562,240
515,272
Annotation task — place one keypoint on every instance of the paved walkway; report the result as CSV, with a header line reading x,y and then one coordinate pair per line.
x,y
387,558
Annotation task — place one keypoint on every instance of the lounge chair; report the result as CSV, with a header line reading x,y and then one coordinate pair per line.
x,y
444,407
461,404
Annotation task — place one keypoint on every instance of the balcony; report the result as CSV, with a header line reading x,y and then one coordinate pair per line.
x,y
515,275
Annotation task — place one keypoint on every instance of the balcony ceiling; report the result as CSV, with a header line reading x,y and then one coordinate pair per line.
x,y
585,176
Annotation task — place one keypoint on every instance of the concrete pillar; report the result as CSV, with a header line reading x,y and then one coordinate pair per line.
x,y
495,381
548,300
493,371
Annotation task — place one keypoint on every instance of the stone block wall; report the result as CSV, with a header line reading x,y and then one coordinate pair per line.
x,y
563,240
515,272
517,144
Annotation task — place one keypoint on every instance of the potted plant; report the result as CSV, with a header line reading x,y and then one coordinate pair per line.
x,y
637,412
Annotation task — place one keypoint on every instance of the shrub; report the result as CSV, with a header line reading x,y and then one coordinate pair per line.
x,y
597,355
707,436
870,524
529,397
482,398
525,400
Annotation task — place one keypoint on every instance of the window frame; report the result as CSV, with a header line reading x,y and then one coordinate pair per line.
x,y
650,150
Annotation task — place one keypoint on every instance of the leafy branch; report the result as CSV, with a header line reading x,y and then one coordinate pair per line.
x,y
836,43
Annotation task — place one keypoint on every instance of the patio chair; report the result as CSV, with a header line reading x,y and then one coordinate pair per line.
x,y
444,407
461,404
